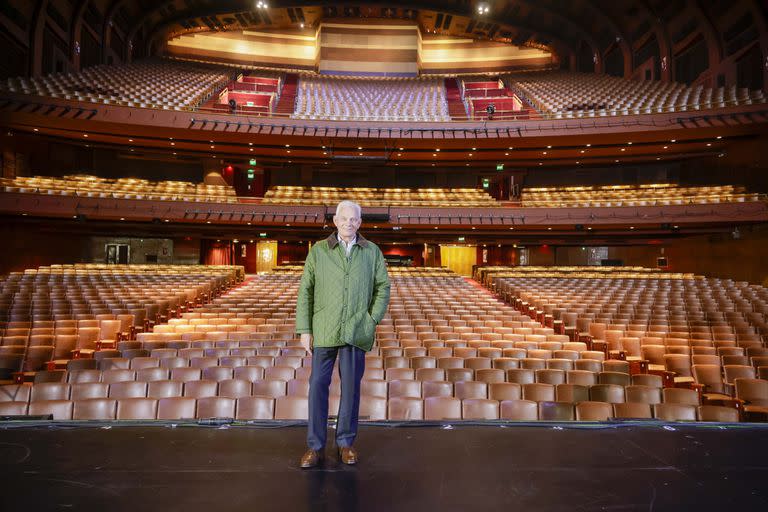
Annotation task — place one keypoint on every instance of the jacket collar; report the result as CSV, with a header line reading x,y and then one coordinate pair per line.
x,y
333,240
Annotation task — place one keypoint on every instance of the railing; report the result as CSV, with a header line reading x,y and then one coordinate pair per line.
x,y
649,201
516,125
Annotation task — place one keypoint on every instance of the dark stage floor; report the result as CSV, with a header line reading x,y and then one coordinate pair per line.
x,y
463,467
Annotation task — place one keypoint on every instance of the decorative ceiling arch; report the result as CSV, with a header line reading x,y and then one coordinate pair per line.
x,y
623,42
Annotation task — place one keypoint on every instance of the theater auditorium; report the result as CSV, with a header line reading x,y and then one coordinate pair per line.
x,y
570,197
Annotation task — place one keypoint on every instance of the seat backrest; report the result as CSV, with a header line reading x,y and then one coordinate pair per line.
x,y
137,409
215,407
255,408
291,408
675,412
681,396
176,408
479,409
405,407
437,408
555,411
519,410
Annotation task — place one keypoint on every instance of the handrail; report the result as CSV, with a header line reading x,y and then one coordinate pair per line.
x,y
652,201
525,116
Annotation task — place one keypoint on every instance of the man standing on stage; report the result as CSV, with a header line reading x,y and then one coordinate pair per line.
x,y
343,295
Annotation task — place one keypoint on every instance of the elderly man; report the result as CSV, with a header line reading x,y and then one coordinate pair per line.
x,y
343,295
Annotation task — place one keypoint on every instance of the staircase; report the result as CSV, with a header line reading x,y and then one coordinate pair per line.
x,y
456,108
285,104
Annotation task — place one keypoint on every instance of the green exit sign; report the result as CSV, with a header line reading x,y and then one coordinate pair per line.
x,y
499,167
253,161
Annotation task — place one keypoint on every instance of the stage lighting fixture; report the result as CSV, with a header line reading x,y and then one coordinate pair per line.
x,y
483,8
261,5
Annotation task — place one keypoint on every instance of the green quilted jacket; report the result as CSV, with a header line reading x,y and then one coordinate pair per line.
x,y
341,300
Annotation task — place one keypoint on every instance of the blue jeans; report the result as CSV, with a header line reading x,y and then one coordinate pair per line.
x,y
351,368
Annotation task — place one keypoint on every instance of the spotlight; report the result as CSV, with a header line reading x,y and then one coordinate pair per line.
x,y
483,8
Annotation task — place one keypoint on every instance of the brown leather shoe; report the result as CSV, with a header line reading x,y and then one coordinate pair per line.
x,y
347,455
311,459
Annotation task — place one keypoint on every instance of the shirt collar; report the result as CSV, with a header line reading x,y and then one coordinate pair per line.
x,y
333,240
354,240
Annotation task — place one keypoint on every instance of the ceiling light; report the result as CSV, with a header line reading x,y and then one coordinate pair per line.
x,y
666,147
474,149
719,137
623,149
673,140
85,135
589,145
549,147
35,130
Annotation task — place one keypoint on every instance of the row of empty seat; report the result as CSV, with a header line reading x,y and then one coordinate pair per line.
x,y
52,312
371,408
707,332
84,185
149,83
443,341
295,407
568,95
453,197
401,99
657,194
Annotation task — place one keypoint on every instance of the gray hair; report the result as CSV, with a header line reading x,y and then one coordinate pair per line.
x,y
349,204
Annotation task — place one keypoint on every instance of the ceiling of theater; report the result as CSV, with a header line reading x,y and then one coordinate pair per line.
x,y
566,27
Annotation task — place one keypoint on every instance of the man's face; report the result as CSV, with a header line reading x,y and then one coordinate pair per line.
x,y
347,222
